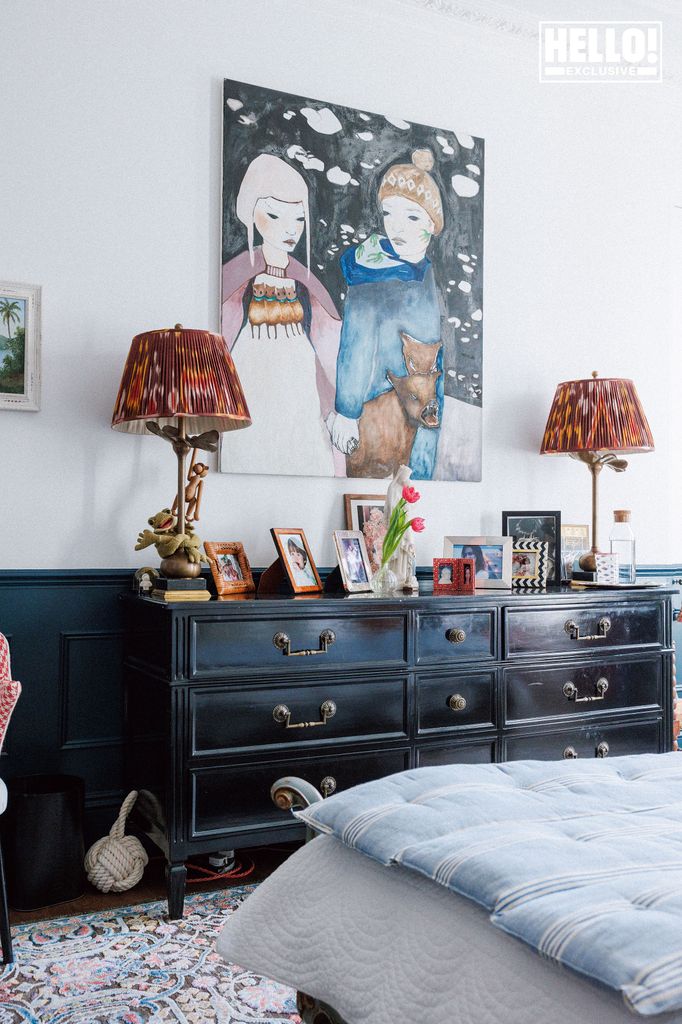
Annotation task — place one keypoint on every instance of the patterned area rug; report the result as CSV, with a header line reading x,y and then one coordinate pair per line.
x,y
133,966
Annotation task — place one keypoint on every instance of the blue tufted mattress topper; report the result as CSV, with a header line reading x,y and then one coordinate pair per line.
x,y
582,860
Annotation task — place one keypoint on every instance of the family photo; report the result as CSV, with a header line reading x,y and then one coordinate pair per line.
x,y
351,289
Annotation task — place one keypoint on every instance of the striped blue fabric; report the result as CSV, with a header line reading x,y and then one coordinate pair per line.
x,y
581,860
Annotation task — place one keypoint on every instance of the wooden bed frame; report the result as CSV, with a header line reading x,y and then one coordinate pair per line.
x,y
289,794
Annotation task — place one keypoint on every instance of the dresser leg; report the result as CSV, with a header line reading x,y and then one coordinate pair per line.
x,y
175,883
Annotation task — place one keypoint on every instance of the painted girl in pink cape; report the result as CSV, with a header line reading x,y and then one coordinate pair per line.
x,y
283,329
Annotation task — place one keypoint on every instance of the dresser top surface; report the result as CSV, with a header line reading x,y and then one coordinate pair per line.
x,y
552,597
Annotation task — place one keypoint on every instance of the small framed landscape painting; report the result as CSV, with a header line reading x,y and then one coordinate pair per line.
x,y
540,526
351,551
297,560
492,559
19,346
365,512
229,567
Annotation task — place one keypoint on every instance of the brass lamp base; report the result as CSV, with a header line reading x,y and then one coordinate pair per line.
x,y
588,562
179,567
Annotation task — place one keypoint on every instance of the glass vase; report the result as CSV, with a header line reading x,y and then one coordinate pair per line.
x,y
384,581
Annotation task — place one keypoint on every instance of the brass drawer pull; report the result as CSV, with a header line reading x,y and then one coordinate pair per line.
x,y
456,636
328,785
571,691
570,753
457,702
282,715
602,750
603,627
282,641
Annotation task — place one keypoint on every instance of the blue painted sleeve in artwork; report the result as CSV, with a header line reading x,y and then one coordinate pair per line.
x,y
355,360
425,447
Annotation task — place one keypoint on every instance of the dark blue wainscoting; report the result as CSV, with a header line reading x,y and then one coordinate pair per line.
x,y
64,628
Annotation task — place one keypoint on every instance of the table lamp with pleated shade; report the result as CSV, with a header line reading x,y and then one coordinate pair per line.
x,y
181,385
591,420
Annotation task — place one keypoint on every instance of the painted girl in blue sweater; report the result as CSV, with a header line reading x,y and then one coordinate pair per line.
x,y
391,289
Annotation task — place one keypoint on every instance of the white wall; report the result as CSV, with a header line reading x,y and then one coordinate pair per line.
x,y
110,198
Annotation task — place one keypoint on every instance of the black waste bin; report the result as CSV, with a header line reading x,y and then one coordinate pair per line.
x,y
43,840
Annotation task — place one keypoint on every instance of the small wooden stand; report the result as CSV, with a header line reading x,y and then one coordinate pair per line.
x,y
275,580
334,582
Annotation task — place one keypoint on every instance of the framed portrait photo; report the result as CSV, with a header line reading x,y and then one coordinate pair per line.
x,y
529,565
354,564
575,541
492,559
365,512
297,560
19,346
229,567
540,526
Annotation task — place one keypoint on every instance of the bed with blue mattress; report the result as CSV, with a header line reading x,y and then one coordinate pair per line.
x,y
528,892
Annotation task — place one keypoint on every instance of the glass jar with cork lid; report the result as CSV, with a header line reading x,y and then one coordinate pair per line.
x,y
623,544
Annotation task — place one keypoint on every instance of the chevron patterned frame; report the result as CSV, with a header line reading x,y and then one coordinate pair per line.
x,y
529,565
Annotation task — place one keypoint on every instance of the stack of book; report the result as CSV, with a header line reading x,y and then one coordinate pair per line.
x,y
180,590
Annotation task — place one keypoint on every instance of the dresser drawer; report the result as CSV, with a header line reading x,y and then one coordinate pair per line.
x,y
456,636
219,644
576,689
237,798
228,718
587,741
455,701
583,628
456,753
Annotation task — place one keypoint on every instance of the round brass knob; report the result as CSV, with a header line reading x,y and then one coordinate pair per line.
x,y
281,641
457,702
328,785
570,753
281,714
570,690
603,749
456,636
328,637
328,709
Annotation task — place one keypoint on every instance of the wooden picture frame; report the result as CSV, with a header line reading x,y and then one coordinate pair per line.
x,y
359,509
530,565
493,566
230,567
297,561
354,564
19,346
540,526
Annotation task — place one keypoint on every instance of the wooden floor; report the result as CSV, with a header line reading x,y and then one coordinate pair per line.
x,y
153,886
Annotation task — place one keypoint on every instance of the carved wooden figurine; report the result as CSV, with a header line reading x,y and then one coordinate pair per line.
x,y
195,485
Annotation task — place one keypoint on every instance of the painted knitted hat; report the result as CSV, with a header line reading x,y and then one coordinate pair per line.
x,y
413,181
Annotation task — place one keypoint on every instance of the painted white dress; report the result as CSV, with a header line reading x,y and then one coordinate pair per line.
x,y
277,368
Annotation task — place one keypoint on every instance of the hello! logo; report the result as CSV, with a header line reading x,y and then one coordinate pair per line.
x,y
601,51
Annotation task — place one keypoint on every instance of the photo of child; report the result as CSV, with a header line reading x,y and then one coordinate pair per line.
x,y
352,555
229,568
298,561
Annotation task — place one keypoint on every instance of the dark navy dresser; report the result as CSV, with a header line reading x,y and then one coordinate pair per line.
x,y
225,697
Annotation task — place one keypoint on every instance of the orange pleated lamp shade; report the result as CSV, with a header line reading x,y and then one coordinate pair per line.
x,y
599,414
179,372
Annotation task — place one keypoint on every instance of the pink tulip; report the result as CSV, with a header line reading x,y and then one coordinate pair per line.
x,y
417,524
410,495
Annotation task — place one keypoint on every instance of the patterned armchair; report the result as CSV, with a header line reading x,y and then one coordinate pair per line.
x,y
9,695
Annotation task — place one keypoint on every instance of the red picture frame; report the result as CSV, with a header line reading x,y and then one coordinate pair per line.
x,y
454,576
